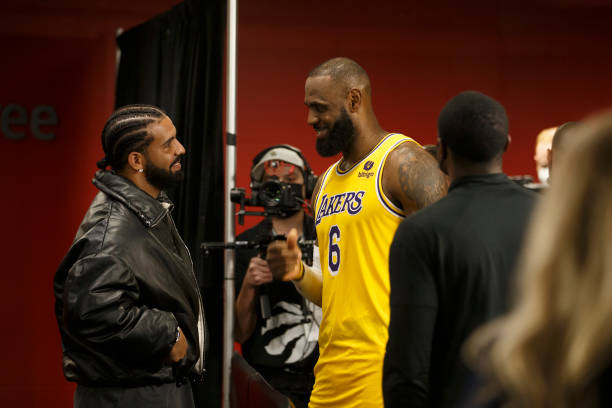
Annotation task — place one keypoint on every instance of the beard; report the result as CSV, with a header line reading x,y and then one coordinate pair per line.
x,y
160,178
340,137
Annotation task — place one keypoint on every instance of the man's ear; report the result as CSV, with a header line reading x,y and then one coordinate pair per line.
x,y
136,161
441,151
508,141
442,156
354,100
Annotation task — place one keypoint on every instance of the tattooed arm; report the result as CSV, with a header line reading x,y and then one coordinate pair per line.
x,y
412,179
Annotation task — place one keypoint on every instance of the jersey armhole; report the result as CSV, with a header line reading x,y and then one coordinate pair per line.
x,y
385,201
323,181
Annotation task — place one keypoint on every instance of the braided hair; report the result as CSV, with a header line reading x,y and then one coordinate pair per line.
x,y
126,132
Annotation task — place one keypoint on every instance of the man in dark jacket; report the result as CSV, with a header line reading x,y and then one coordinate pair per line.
x,y
127,302
450,264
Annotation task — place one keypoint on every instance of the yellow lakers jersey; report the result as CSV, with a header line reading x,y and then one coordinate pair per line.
x,y
355,224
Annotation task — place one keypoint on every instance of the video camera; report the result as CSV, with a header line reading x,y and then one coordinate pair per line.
x,y
273,198
277,199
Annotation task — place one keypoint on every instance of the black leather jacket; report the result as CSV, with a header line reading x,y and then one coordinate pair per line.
x,y
123,287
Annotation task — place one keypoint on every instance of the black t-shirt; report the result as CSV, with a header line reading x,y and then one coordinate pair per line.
x,y
287,340
450,268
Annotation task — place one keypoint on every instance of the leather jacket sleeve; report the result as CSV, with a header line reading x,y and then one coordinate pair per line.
x,y
103,308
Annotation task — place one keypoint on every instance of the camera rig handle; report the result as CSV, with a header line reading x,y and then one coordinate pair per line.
x,y
274,197
307,247
261,246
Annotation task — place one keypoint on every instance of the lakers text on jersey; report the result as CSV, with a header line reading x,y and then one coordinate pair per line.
x,y
355,224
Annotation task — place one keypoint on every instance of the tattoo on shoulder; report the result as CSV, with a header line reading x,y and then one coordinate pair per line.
x,y
420,178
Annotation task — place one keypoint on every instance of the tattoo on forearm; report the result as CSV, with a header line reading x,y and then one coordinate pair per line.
x,y
420,179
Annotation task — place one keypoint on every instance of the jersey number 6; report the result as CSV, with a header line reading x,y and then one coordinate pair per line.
x,y
334,250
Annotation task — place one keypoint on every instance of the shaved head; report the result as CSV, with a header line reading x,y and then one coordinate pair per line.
x,y
344,72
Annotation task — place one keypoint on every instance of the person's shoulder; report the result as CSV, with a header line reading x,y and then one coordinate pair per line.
x,y
259,231
407,146
520,194
124,221
521,189
111,227
96,220
412,177
426,218
104,230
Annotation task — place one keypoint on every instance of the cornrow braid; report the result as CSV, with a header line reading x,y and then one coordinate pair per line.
x,y
125,132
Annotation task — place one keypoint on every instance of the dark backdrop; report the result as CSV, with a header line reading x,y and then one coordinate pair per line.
x,y
175,61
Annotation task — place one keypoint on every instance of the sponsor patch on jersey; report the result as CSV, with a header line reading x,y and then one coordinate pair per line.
x,y
366,174
350,202
366,170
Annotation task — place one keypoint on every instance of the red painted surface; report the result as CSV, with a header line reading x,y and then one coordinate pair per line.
x,y
547,64
544,61
62,56
45,187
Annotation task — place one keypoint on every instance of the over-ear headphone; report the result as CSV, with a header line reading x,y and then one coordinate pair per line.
x,y
310,179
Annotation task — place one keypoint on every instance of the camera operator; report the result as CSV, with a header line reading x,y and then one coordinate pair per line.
x,y
277,327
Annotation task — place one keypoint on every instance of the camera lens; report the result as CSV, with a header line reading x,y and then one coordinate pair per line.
x,y
271,193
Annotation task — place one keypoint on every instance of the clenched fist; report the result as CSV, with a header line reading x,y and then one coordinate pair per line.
x,y
179,350
257,273
284,258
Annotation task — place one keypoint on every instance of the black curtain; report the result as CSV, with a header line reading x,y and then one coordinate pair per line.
x,y
175,61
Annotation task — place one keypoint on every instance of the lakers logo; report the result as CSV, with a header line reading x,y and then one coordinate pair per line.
x,y
350,202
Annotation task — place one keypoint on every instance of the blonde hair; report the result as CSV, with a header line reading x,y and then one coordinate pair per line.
x,y
551,349
546,135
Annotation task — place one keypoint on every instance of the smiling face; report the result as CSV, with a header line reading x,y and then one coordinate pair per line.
x,y
325,100
163,167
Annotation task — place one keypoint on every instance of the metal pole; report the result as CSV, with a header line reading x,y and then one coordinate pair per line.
x,y
230,183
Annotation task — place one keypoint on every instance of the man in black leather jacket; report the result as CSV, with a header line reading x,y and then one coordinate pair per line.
x,y
127,300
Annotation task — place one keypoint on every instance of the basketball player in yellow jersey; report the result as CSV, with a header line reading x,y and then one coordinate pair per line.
x,y
358,204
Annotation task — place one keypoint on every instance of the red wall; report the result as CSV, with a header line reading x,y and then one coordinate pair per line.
x,y
547,64
64,57
45,188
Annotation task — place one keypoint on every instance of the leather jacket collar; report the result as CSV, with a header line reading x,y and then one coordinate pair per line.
x,y
148,209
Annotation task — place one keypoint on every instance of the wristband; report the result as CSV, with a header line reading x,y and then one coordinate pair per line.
x,y
302,272
178,335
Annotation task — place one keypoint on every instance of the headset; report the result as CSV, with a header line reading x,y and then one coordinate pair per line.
x,y
310,179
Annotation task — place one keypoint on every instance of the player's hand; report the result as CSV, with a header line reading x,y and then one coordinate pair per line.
x,y
178,351
258,272
284,258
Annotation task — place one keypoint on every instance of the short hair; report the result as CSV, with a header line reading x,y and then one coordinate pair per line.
x,y
563,278
561,135
474,126
125,132
546,135
344,71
